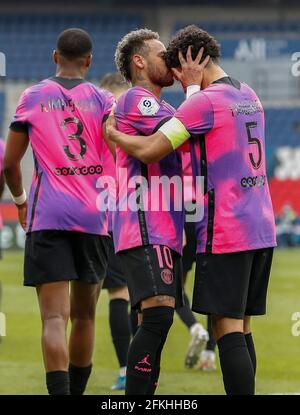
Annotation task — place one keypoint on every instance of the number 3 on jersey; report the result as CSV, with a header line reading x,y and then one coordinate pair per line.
x,y
76,136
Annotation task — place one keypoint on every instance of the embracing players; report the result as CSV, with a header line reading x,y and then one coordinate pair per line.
x,y
235,240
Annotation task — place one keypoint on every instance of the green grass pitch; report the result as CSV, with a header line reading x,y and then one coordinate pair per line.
x,y
278,352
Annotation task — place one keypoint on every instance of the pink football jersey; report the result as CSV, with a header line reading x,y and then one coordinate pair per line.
x,y
64,120
226,121
139,112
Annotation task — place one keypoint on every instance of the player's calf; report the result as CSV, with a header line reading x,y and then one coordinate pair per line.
x,y
84,299
235,360
54,309
145,350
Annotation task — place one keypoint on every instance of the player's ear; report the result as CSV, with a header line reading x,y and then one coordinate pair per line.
x,y
138,60
55,57
89,61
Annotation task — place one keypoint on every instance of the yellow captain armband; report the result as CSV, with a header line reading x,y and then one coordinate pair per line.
x,y
175,131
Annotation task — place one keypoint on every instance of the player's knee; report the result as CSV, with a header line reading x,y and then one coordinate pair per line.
x,y
83,316
158,320
54,324
159,301
118,293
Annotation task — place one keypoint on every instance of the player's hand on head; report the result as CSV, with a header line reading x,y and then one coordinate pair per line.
x,y
22,214
191,71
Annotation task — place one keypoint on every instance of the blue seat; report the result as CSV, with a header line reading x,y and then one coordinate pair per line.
x,y
28,41
244,26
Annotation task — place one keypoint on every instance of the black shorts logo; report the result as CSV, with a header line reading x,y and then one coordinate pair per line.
x,y
167,276
84,171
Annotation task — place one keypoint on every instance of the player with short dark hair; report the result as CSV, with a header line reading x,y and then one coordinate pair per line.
x,y
197,38
235,240
66,235
148,241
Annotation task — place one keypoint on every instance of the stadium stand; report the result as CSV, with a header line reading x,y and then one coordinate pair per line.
x,y
251,27
28,39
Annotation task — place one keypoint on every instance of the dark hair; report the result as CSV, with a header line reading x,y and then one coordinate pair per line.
x,y
112,81
133,42
74,43
196,37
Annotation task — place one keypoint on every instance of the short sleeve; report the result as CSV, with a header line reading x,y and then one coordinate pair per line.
x,y
21,119
196,114
138,110
109,101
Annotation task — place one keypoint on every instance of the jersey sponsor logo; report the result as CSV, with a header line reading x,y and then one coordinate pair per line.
x,y
256,181
167,276
84,171
148,106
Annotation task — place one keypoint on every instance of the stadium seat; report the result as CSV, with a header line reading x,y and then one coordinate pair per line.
x,y
28,41
250,27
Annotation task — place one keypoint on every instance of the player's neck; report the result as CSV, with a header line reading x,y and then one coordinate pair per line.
x,y
213,74
139,80
70,73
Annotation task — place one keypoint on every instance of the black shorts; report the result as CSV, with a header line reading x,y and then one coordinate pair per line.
x,y
152,270
232,285
189,251
114,273
53,255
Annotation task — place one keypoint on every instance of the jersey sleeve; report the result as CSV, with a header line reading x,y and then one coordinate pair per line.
x,y
21,119
109,101
139,112
194,117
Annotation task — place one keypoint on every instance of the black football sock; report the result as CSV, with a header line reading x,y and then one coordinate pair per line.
x,y
156,370
134,321
120,328
185,313
251,350
145,347
79,377
236,365
58,382
211,344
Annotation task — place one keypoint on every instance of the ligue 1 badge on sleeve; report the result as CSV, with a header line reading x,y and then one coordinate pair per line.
x,y
148,106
